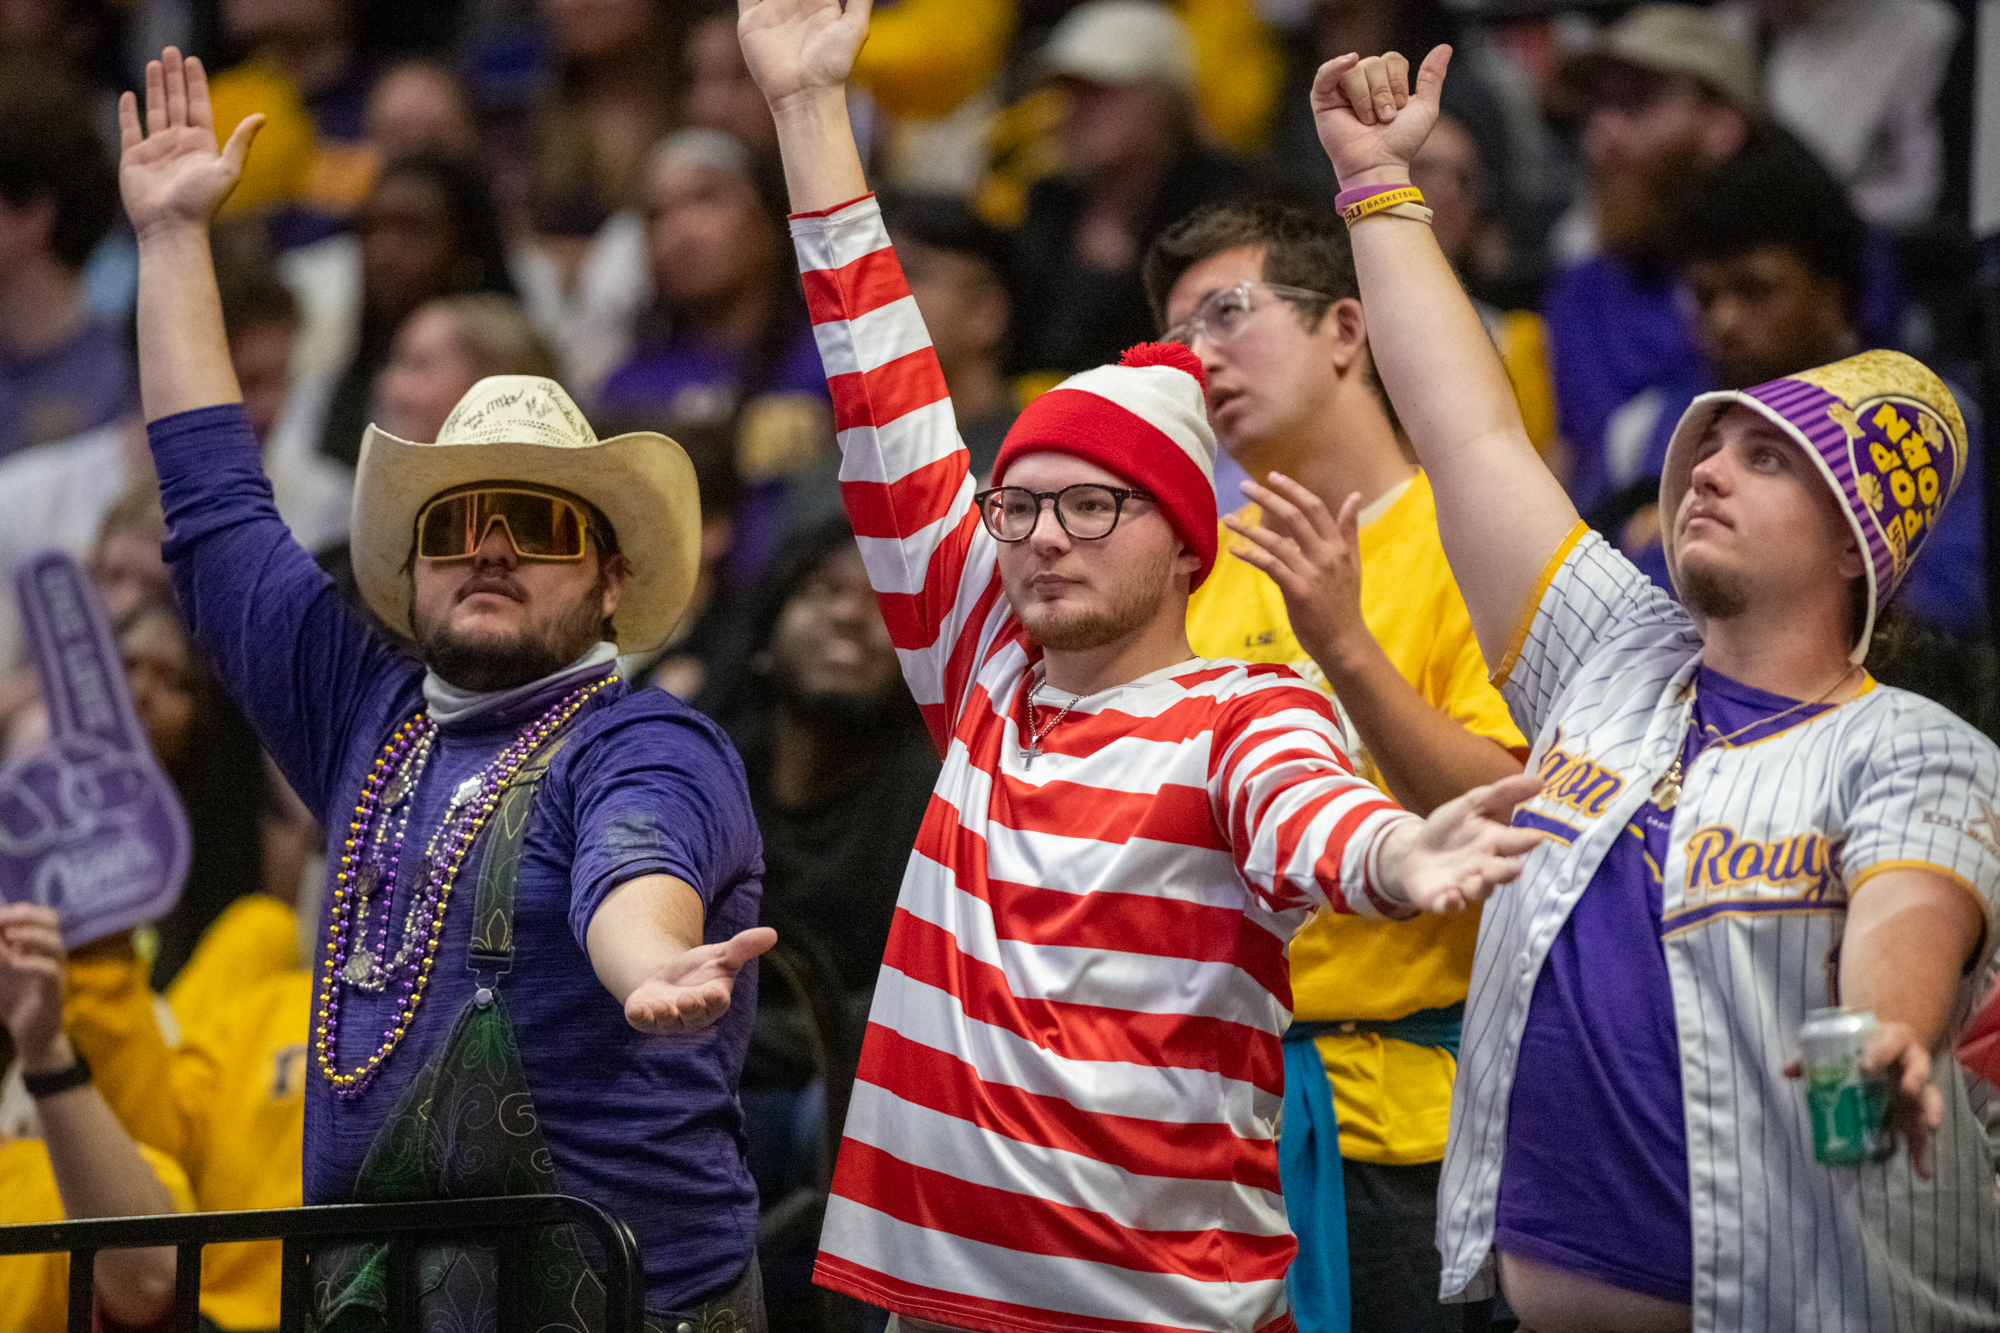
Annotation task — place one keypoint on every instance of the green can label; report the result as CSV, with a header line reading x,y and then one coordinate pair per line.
x,y
1847,1115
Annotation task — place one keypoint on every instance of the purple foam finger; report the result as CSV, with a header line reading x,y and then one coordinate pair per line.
x,y
89,825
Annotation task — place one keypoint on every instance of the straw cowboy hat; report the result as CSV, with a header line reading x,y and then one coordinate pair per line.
x,y
523,428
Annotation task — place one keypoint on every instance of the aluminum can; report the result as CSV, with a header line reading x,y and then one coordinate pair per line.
x,y
1848,1109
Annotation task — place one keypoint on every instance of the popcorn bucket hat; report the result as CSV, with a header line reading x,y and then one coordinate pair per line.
x,y
1881,428
524,428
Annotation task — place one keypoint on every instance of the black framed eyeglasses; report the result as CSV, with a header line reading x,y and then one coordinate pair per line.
x,y
1086,511
1221,314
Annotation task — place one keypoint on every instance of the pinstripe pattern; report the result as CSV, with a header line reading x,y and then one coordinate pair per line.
x,y
1064,1114
1779,1241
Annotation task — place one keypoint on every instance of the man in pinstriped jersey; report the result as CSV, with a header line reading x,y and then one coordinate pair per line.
x,y
1743,827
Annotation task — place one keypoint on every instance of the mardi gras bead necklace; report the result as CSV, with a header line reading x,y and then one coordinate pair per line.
x,y
395,774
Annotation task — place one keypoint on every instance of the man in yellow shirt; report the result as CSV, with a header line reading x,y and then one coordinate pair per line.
x,y
1364,606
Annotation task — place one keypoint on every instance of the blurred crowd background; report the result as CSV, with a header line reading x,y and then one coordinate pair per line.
x,y
1646,202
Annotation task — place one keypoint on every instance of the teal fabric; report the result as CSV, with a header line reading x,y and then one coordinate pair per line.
x,y
1309,1168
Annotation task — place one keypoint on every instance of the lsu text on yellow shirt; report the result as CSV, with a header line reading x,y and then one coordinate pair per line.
x,y
34,1288
1393,1099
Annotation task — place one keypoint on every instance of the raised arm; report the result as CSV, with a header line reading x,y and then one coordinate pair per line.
x,y
173,180
905,476
291,654
98,1169
1500,513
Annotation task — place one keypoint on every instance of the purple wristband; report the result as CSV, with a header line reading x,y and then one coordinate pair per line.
x,y
1347,199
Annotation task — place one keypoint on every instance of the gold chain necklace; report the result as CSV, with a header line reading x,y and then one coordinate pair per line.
x,y
1667,791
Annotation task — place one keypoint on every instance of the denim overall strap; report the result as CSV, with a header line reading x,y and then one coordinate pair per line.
x,y
1309,1166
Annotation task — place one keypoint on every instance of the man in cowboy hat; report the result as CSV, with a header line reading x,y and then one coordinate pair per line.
x,y
534,869
1742,828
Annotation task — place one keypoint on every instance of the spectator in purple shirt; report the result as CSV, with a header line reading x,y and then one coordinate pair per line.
x,y
62,372
544,884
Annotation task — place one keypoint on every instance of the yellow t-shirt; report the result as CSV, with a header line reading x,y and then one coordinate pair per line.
x,y
243,997
34,1288
1393,1099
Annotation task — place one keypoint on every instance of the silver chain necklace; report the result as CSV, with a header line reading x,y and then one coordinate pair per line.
x,y
1035,733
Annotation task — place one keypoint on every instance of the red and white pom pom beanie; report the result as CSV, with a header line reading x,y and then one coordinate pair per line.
x,y
1144,419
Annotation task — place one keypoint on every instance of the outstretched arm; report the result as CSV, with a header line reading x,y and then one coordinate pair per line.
x,y
173,180
1500,513
645,946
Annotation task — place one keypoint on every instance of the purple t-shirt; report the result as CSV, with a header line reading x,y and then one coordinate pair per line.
x,y
71,388
645,1126
1594,1179
1613,333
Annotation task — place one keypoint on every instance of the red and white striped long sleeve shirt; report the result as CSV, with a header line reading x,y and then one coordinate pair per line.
x,y
1069,1087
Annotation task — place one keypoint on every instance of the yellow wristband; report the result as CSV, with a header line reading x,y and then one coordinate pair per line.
x,y
1414,212
1375,203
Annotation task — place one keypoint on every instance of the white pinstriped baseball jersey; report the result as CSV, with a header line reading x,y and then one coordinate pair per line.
x,y
1769,841
1065,1111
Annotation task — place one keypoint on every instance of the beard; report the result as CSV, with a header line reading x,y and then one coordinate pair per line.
x,y
484,663
1714,594
1133,604
1635,205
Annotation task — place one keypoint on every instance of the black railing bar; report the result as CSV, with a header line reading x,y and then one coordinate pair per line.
x,y
82,1289
187,1288
324,1221
439,1221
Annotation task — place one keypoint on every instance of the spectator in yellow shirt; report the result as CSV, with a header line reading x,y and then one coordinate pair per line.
x,y
227,1102
1364,606
83,1165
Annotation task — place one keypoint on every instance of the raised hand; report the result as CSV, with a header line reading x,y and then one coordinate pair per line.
x,y
1313,557
1369,121
172,174
693,991
796,47
31,981
1464,851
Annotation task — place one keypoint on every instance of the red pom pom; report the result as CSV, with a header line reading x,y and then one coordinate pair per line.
x,y
1178,355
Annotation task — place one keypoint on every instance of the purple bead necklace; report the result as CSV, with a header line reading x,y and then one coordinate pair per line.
x,y
395,774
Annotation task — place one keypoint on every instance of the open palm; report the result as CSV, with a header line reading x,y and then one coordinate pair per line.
x,y
1467,848
800,46
1368,117
693,991
172,172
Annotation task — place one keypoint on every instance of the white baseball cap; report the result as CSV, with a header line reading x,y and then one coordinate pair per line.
x,y
1122,42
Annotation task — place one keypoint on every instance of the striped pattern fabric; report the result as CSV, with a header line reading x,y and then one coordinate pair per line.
x,y
1770,840
1064,1116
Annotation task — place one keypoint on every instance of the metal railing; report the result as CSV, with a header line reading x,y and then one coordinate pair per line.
x,y
500,1224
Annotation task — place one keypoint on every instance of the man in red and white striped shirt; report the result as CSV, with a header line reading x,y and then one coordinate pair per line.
x,y
1065,1111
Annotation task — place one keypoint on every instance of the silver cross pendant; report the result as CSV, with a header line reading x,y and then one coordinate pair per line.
x,y
1029,755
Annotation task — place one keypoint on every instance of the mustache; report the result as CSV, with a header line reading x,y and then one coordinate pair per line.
x,y
493,581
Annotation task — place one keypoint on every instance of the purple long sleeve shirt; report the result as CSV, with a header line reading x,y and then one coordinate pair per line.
x,y
645,1126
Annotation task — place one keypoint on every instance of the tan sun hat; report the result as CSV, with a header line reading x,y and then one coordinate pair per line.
x,y
523,428
1681,39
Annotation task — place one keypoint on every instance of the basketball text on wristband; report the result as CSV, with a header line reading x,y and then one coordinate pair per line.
x,y
57,1080
1375,203
1414,212
1347,199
